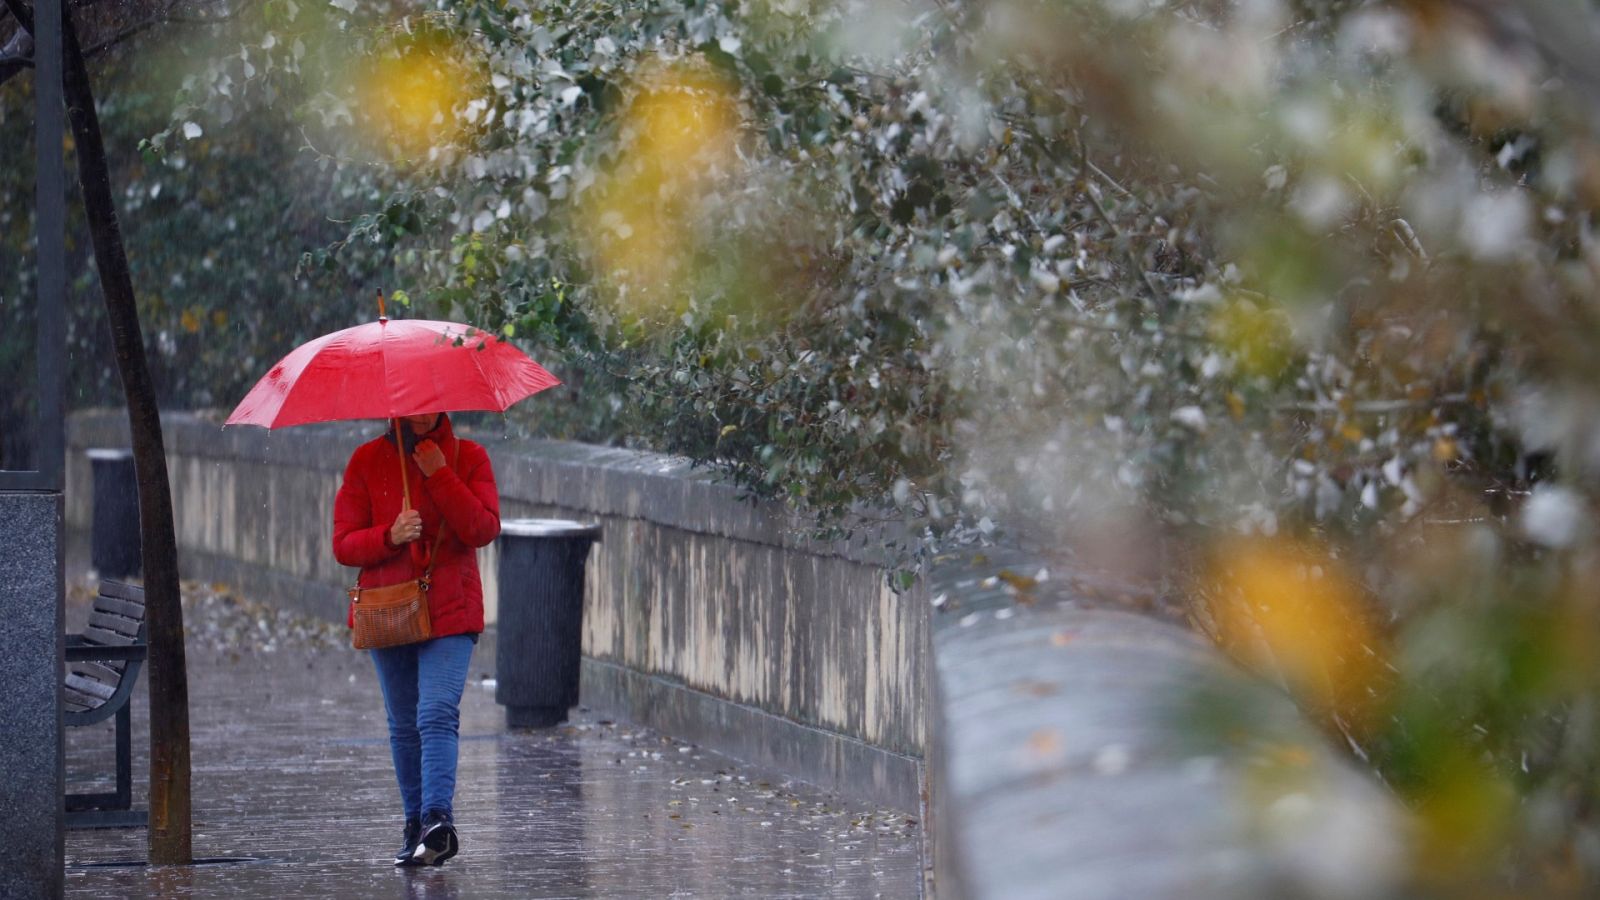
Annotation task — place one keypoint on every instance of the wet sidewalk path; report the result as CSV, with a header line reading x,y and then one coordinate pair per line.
x,y
291,771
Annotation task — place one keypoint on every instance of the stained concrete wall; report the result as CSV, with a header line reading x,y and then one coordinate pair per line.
x,y
711,617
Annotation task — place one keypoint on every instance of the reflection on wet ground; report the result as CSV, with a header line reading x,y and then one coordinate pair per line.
x,y
291,770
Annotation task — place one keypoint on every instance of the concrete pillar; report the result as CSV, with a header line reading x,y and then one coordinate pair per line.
x,y
31,593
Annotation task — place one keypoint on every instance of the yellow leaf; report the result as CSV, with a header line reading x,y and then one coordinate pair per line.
x,y
1258,338
1034,688
1464,811
190,321
1020,582
1046,745
1291,755
1235,406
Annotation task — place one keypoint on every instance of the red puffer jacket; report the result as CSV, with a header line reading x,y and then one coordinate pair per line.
x,y
461,494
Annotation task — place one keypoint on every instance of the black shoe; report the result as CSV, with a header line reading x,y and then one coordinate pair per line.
x,y
413,838
439,840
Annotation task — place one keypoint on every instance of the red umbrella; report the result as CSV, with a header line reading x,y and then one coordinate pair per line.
x,y
387,369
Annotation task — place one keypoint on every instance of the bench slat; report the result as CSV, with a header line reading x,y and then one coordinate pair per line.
x,y
81,677
106,672
123,591
131,610
118,624
89,686
80,696
77,701
105,638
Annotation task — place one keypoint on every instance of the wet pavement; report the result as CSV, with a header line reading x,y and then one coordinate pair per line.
x,y
292,782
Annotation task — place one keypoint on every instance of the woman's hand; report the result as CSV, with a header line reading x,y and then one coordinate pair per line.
x,y
429,458
407,527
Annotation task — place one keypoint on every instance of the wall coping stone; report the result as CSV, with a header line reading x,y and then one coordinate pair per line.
x,y
1055,770
669,490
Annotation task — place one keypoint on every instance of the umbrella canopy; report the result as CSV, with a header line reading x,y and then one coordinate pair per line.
x,y
387,369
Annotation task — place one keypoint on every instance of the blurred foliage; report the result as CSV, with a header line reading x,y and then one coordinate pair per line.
x,y
214,229
1287,306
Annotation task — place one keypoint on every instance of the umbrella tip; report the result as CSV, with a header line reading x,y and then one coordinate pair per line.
x,y
383,315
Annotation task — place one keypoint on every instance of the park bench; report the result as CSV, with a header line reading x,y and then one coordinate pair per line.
x,y
102,667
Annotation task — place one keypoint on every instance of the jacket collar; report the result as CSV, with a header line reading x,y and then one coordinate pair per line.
x,y
442,434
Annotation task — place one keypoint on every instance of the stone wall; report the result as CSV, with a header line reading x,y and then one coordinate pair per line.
x,y
707,616
1057,733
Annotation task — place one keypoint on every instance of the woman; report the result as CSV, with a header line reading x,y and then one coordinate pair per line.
x,y
452,487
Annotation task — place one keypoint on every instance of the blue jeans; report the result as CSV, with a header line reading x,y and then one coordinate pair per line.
x,y
422,686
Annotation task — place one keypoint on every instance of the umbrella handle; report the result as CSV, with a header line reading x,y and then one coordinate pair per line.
x,y
405,488
405,480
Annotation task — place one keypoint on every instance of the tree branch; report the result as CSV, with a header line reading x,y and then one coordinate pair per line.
x,y
18,51
121,36
12,63
204,20
152,21
1161,298
24,14
1375,406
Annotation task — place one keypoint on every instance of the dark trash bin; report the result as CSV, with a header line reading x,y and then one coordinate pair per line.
x,y
114,548
539,640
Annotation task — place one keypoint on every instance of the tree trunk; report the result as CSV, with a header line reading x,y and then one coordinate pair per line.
x,y
170,831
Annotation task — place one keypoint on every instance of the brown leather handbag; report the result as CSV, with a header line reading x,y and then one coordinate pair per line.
x,y
391,615
395,614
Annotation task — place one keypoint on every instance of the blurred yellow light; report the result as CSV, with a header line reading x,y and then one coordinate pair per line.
x,y
412,95
642,217
680,117
1283,608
